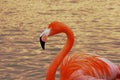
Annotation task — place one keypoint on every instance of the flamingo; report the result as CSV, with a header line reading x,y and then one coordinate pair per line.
x,y
78,66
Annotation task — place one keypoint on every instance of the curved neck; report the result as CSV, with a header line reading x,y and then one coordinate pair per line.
x,y
61,55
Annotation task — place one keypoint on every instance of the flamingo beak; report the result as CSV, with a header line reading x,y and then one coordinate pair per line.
x,y
43,37
42,43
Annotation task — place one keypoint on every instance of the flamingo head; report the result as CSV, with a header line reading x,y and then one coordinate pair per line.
x,y
53,28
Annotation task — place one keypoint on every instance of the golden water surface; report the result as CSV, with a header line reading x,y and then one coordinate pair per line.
x,y
95,23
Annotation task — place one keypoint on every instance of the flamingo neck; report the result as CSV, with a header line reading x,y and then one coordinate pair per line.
x,y
61,55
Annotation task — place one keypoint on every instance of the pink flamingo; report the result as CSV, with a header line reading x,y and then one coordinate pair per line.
x,y
78,66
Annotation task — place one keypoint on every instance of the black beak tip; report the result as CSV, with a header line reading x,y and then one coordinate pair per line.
x,y
42,43
43,48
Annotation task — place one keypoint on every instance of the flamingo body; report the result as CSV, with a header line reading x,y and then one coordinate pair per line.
x,y
78,66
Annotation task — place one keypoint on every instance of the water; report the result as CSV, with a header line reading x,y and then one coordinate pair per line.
x,y
95,25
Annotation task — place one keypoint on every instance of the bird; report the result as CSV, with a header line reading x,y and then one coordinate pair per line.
x,y
79,65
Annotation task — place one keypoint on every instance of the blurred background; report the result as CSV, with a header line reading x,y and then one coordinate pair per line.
x,y
95,23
